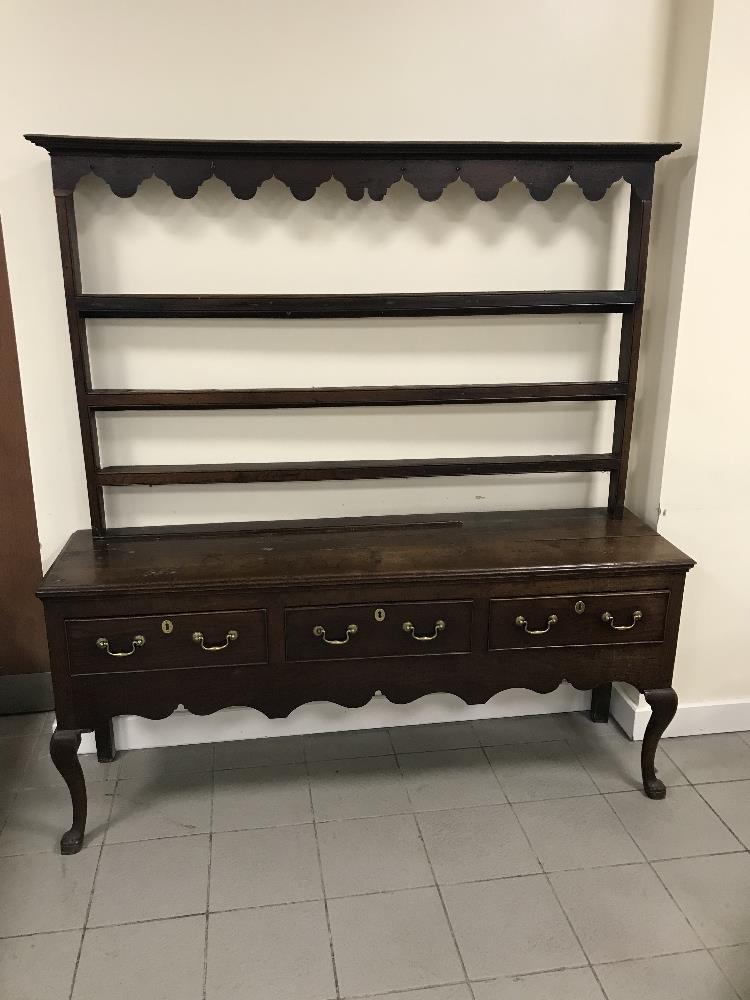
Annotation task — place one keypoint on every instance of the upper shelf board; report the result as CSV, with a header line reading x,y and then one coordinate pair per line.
x,y
361,167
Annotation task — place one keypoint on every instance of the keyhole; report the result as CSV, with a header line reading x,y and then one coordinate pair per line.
x,y
167,626
379,614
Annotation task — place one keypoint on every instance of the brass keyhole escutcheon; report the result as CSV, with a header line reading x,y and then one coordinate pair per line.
x,y
579,607
379,614
167,626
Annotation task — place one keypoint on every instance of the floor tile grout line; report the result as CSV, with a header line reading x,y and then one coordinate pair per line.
x,y
689,783
652,866
332,952
380,892
625,829
544,873
437,886
91,893
208,880
599,982
722,973
719,816
411,989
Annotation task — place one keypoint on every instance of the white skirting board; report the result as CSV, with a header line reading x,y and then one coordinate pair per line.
x,y
133,732
692,719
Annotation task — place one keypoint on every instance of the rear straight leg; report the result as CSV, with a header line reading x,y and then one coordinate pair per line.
x,y
600,699
63,749
663,702
105,743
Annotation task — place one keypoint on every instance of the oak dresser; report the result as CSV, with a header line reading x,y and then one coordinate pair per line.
x,y
278,614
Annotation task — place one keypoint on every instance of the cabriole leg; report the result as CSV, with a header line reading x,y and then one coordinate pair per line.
x,y
105,743
663,702
63,748
600,699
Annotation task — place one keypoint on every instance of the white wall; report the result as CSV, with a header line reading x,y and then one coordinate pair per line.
x,y
373,70
707,473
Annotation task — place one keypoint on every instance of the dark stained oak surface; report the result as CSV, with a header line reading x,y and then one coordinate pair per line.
x,y
362,168
459,581
84,145
354,305
388,549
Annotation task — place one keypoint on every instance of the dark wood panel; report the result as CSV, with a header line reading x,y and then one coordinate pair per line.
x,y
630,342
396,395
143,642
277,690
308,472
360,167
71,269
481,547
81,145
578,620
369,631
352,306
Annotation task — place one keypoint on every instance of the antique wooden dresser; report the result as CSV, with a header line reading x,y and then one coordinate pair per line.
x,y
277,614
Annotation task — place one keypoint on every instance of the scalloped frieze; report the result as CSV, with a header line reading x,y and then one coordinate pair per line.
x,y
276,702
303,176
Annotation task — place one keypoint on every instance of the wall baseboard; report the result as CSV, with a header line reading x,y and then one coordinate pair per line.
x,y
132,732
21,693
692,718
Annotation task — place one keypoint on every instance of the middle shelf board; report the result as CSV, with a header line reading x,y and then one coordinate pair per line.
x,y
353,306
398,395
291,472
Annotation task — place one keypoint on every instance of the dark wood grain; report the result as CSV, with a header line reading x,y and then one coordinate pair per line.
x,y
310,472
352,306
163,651
630,345
396,395
427,150
572,629
214,616
104,737
489,547
601,697
361,167
377,638
71,269
455,571
663,702
63,749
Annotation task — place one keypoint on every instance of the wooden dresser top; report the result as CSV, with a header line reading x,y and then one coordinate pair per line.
x,y
366,550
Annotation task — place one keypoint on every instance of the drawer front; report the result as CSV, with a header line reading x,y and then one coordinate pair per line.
x,y
578,620
362,631
103,645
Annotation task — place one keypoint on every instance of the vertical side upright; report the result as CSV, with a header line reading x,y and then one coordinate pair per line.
x,y
639,222
66,226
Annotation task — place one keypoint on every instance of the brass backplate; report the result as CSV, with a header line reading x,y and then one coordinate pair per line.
x,y
379,614
579,607
167,626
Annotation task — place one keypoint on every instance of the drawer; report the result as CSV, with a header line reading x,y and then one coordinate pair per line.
x,y
578,620
103,645
362,631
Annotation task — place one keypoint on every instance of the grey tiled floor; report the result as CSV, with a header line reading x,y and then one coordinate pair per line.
x,y
491,861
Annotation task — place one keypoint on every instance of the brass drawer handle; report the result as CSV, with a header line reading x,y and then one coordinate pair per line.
x,y
439,627
138,640
320,633
522,623
232,634
609,619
